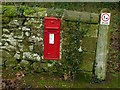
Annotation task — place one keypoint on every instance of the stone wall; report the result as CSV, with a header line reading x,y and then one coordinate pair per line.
x,y
22,39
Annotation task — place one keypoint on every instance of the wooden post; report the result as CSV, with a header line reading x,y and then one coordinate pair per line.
x,y
100,64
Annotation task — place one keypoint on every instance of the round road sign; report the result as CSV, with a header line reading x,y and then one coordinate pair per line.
x,y
105,17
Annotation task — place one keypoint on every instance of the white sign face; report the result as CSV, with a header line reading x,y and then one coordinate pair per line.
x,y
105,19
51,38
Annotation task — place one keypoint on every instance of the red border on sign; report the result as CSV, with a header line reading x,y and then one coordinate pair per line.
x,y
107,15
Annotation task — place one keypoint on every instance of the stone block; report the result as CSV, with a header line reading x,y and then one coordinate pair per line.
x,y
25,64
89,44
92,30
31,56
87,61
12,41
17,55
5,31
18,34
37,67
27,34
25,29
13,23
31,47
9,48
33,22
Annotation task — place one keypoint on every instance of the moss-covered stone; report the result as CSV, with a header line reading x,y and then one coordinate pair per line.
x,y
83,16
34,12
92,31
55,12
5,31
5,20
89,44
71,43
25,64
41,13
87,61
4,55
29,10
37,67
15,22
9,48
35,31
38,48
9,11
17,55
44,67
18,33
34,23
11,62
26,45
26,48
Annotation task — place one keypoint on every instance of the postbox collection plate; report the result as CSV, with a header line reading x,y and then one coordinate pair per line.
x,y
51,38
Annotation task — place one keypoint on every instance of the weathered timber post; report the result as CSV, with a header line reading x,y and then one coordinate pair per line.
x,y
100,64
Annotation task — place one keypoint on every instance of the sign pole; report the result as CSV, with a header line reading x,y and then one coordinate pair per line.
x,y
99,70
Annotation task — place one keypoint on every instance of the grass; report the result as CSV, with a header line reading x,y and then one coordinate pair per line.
x,y
38,80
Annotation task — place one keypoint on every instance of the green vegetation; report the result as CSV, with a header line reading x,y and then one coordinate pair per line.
x,y
9,11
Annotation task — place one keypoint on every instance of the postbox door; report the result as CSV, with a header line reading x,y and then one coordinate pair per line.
x,y
52,45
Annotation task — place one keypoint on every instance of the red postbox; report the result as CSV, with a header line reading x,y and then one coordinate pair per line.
x,y
51,38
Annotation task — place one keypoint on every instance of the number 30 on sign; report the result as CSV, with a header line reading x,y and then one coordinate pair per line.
x,y
105,19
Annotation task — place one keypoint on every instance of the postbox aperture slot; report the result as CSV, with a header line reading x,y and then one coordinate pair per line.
x,y
52,28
